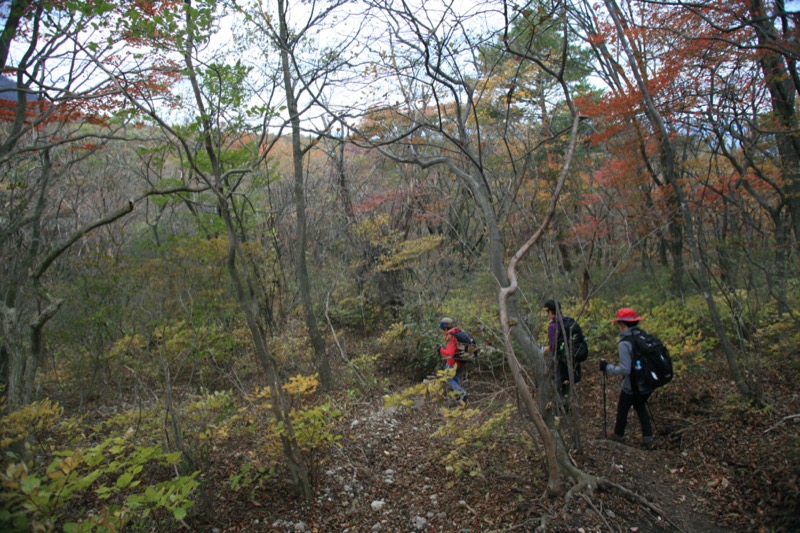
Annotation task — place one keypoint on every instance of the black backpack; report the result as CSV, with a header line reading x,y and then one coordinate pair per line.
x,y
577,344
652,365
467,347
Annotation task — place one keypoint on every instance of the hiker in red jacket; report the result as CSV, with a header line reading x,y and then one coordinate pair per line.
x,y
449,352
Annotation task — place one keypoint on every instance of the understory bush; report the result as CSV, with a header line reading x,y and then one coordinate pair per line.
x,y
471,433
100,482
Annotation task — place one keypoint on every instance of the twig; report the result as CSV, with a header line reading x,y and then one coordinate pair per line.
x,y
691,427
470,509
542,523
509,477
641,500
338,345
782,421
590,503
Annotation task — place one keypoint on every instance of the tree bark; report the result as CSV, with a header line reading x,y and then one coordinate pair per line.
x,y
780,82
304,285
10,29
236,259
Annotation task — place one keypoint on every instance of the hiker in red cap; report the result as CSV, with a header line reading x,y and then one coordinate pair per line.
x,y
450,352
628,321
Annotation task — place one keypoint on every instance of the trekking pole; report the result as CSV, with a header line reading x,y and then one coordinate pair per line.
x,y
605,430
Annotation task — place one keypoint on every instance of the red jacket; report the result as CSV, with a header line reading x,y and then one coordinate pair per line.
x,y
451,348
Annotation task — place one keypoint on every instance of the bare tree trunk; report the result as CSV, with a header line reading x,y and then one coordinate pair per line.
x,y
23,323
304,285
13,18
280,408
15,354
780,73
344,188
24,358
550,437
555,486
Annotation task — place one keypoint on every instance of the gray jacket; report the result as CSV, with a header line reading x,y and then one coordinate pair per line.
x,y
625,361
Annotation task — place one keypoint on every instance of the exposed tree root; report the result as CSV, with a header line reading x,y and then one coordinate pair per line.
x,y
594,508
586,484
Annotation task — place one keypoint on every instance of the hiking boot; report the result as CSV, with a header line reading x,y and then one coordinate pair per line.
x,y
648,442
615,437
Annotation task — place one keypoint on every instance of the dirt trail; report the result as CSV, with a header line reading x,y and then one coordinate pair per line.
x,y
392,473
647,472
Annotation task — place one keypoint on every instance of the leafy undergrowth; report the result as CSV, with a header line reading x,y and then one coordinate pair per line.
x,y
718,465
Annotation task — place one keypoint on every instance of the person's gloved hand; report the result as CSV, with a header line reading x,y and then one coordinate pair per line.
x,y
603,365
438,348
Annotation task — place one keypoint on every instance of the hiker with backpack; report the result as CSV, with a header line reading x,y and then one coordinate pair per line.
x,y
635,391
573,349
454,352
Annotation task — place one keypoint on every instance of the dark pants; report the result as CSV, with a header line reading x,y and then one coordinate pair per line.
x,y
638,402
563,376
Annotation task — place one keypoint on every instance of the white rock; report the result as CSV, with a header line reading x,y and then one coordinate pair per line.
x,y
377,505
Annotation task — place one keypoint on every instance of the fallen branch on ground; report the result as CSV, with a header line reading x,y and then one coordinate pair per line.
x,y
782,421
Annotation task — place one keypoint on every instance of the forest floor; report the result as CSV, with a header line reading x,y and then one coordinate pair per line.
x,y
718,465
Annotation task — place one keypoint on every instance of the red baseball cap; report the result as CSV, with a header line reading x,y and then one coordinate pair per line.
x,y
626,314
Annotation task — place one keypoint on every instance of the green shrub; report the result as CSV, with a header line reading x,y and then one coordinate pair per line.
x,y
681,325
111,475
468,432
312,420
776,333
126,481
354,312
431,387
363,376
